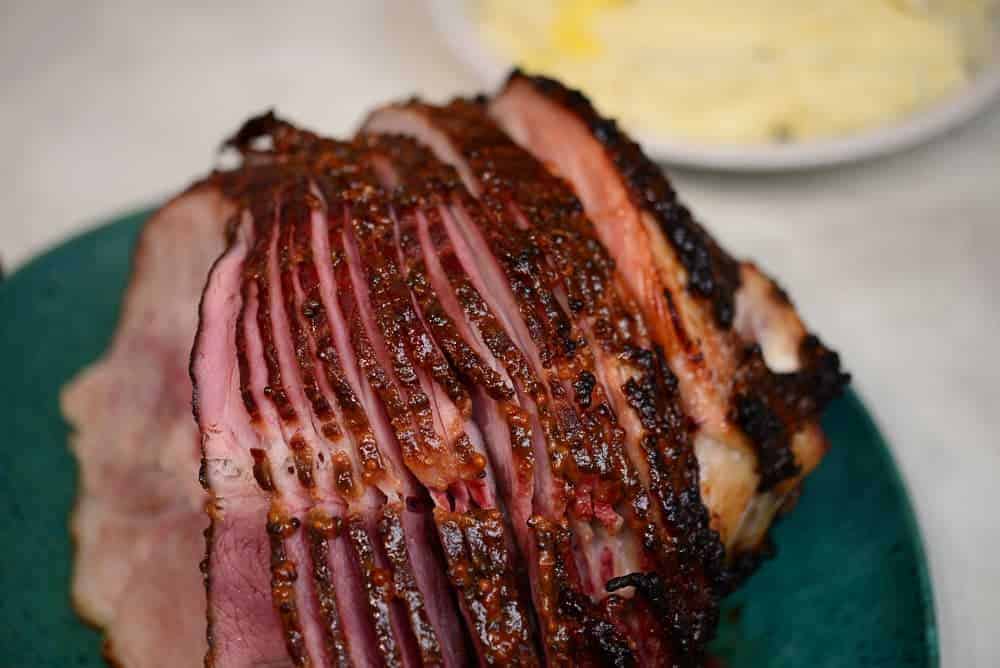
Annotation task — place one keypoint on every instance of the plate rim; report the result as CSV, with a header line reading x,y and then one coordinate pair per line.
x,y
932,639
96,227
452,23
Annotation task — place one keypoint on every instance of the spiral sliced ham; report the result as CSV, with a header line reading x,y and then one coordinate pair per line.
x,y
471,388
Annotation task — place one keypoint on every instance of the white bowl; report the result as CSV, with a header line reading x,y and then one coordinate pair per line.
x,y
453,20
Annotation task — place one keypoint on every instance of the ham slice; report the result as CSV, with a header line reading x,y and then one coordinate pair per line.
x,y
139,515
614,373
713,317
339,404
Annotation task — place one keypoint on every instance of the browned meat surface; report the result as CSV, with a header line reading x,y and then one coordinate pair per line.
x,y
750,375
614,377
393,456
473,388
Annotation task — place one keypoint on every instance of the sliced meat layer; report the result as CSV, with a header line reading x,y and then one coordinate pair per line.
x,y
348,403
602,358
441,288
243,625
483,285
692,292
139,509
397,323
285,468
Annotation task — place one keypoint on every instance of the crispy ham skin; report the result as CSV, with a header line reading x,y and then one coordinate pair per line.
x,y
751,376
472,388
592,339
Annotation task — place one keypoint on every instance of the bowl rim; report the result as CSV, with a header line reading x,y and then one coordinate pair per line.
x,y
452,21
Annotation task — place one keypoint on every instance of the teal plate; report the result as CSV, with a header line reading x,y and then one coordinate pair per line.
x,y
848,587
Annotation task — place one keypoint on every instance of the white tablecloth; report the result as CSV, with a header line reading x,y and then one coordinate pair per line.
x,y
109,105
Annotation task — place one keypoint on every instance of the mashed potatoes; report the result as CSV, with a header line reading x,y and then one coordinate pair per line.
x,y
744,71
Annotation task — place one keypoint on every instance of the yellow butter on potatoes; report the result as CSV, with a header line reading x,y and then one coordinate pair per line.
x,y
745,71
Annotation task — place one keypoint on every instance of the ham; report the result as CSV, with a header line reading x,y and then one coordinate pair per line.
x,y
471,388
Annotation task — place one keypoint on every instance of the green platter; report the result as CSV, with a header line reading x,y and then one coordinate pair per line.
x,y
848,587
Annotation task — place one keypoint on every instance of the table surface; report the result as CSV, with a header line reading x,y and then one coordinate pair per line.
x,y
109,105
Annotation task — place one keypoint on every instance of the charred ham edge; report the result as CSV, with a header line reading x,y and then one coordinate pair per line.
x,y
371,516
306,619
432,270
684,280
382,468
500,625
402,632
490,588
553,211
622,374
504,635
271,390
324,459
520,315
678,321
292,441
420,587
351,291
345,525
283,462
346,459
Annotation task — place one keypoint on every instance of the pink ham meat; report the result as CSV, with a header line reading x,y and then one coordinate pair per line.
x,y
606,547
324,401
749,373
470,389
139,517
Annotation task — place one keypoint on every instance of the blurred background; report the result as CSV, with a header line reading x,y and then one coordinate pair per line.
x,y
108,106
